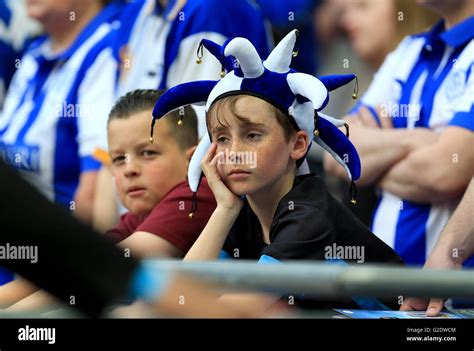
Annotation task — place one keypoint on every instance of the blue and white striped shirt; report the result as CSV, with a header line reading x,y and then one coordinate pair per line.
x,y
16,28
156,47
56,109
426,82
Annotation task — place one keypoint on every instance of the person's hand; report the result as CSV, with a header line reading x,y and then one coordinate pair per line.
x,y
224,197
439,259
268,303
433,307
364,118
187,297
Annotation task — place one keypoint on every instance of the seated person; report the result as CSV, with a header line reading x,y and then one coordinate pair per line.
x,y
151,178
261,120
151,182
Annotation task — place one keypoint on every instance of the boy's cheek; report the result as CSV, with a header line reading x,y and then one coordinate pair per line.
x,y
221,170
118,185
115,172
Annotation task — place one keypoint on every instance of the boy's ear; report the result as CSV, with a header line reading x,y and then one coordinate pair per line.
x,y
300,143
190,152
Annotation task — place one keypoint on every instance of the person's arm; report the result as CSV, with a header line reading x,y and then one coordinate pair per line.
x,y
15,290
201,300
209,244
457,239
455,245
147,245
84,196
435,173
167,231
38,299
96,96
378,145
265,302
105,214
378,148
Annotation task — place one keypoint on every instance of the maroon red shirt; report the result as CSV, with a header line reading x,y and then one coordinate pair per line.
x,y
169,218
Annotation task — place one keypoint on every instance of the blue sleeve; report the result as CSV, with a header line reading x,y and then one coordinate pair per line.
x,y
121,36
224,255
7,68
89,163
286,15
5,276
199,16
265,259
372,110
148,283
5,13
7,53
278,11
464,119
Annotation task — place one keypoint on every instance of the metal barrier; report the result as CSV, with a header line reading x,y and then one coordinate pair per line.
x,y
328,280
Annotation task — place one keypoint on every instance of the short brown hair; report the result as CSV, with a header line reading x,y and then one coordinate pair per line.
x,y
288,128
186,134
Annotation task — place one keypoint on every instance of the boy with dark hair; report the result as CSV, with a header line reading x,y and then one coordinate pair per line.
x,y
151,178
262,118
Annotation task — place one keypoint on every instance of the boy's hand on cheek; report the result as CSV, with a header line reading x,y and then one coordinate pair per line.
x,y
224,197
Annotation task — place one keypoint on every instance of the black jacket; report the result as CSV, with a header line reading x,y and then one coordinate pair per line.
x,y
309,224
73,260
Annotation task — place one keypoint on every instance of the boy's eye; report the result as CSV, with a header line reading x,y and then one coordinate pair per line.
x,y
149,153
253,136
117,160
222,139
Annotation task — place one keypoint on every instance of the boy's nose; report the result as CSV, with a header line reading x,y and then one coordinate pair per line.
x,y
235,152
131,167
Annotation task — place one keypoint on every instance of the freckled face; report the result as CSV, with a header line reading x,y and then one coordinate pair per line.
x,y
256,153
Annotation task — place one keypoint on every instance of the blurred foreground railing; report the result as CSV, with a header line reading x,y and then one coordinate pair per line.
x,y
328,280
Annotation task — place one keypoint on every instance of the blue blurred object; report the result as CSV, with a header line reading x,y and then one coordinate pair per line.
x,y
10,52
7,53
5,276
285,15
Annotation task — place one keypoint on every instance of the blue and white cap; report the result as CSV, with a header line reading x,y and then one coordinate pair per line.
x,y
300,96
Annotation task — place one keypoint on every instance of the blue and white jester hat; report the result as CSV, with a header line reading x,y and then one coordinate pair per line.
x,y
300,96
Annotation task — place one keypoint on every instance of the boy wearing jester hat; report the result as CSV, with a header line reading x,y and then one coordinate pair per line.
x,y
271,210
